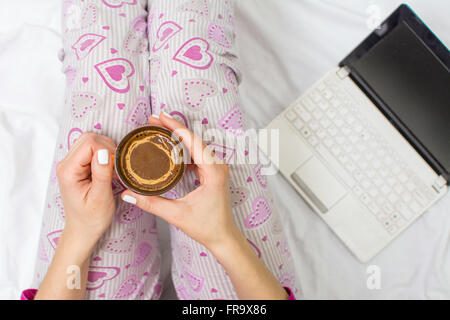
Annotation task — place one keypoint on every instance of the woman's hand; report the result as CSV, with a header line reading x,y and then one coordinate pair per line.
x,y
205,213
205,216
84,177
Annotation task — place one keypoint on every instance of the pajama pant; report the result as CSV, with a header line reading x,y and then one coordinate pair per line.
x,y
123,60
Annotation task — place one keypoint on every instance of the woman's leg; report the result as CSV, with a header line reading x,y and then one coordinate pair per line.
x,y
194,77
105,59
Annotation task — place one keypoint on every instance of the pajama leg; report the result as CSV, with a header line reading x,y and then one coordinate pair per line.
x,y
194,77
105,59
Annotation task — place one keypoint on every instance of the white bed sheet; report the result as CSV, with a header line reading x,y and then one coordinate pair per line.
x,y
285,45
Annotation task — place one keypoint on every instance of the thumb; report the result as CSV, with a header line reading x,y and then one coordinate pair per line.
x,y
169,210
102,168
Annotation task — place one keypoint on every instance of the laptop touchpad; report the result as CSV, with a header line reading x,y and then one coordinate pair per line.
x,y
319,184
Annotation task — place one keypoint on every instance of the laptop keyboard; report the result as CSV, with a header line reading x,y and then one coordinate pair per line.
x,y
329,121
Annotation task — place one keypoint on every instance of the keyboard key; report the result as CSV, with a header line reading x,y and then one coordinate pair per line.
x,y
323,105
388,208
395,169
305,132
340,139
328,94
339,122
333,130
410,186
373,208
346,131
365,198
371,173
310,106
331,113
429,193
366,183
391,181
402,177
415,206
325,123
420,197
384,172
343,111
369,155
378,182
328,142
335,103
290,115
317,114
399,188
373,192
381,153
407,197
321,133
343,159
358,128
400,222
353,138
392,228
298,124
361,147
350,119
315,96
392,197
314,125
388,160
355,156
358,175
363,164
376,164
385,189
403,210
348,148
336,150
313,141
358,191
365,136
303,114
381,200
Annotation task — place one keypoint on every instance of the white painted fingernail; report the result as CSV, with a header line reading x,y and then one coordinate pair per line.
x,y
103,157
167,115
155,116
129,199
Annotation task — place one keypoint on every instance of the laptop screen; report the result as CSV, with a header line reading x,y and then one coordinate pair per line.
x,y
415,86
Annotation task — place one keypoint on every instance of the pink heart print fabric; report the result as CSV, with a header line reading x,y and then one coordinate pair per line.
x,y
127,59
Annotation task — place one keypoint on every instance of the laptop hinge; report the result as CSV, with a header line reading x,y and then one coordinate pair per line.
x,y
343,72
439,183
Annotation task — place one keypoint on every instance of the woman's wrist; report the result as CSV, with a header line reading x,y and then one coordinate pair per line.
x,y
233,242
80,244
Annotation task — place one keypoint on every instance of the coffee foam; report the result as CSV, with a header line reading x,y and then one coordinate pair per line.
x,y
160,142
150,160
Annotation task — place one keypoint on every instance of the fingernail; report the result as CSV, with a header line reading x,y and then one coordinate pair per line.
x,y
129,199
167,115
103,157
155,116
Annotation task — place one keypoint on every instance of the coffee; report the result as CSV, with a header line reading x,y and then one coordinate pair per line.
x,y
149,160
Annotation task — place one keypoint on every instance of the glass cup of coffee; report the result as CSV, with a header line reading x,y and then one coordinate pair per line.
x,y
150,160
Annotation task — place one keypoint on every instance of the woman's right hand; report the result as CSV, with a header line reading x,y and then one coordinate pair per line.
x,y
205,213
205,216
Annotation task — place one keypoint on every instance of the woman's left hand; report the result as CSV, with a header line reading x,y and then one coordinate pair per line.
x,y
85,177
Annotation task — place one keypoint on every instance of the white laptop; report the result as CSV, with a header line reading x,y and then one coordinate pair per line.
x,y
368,146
